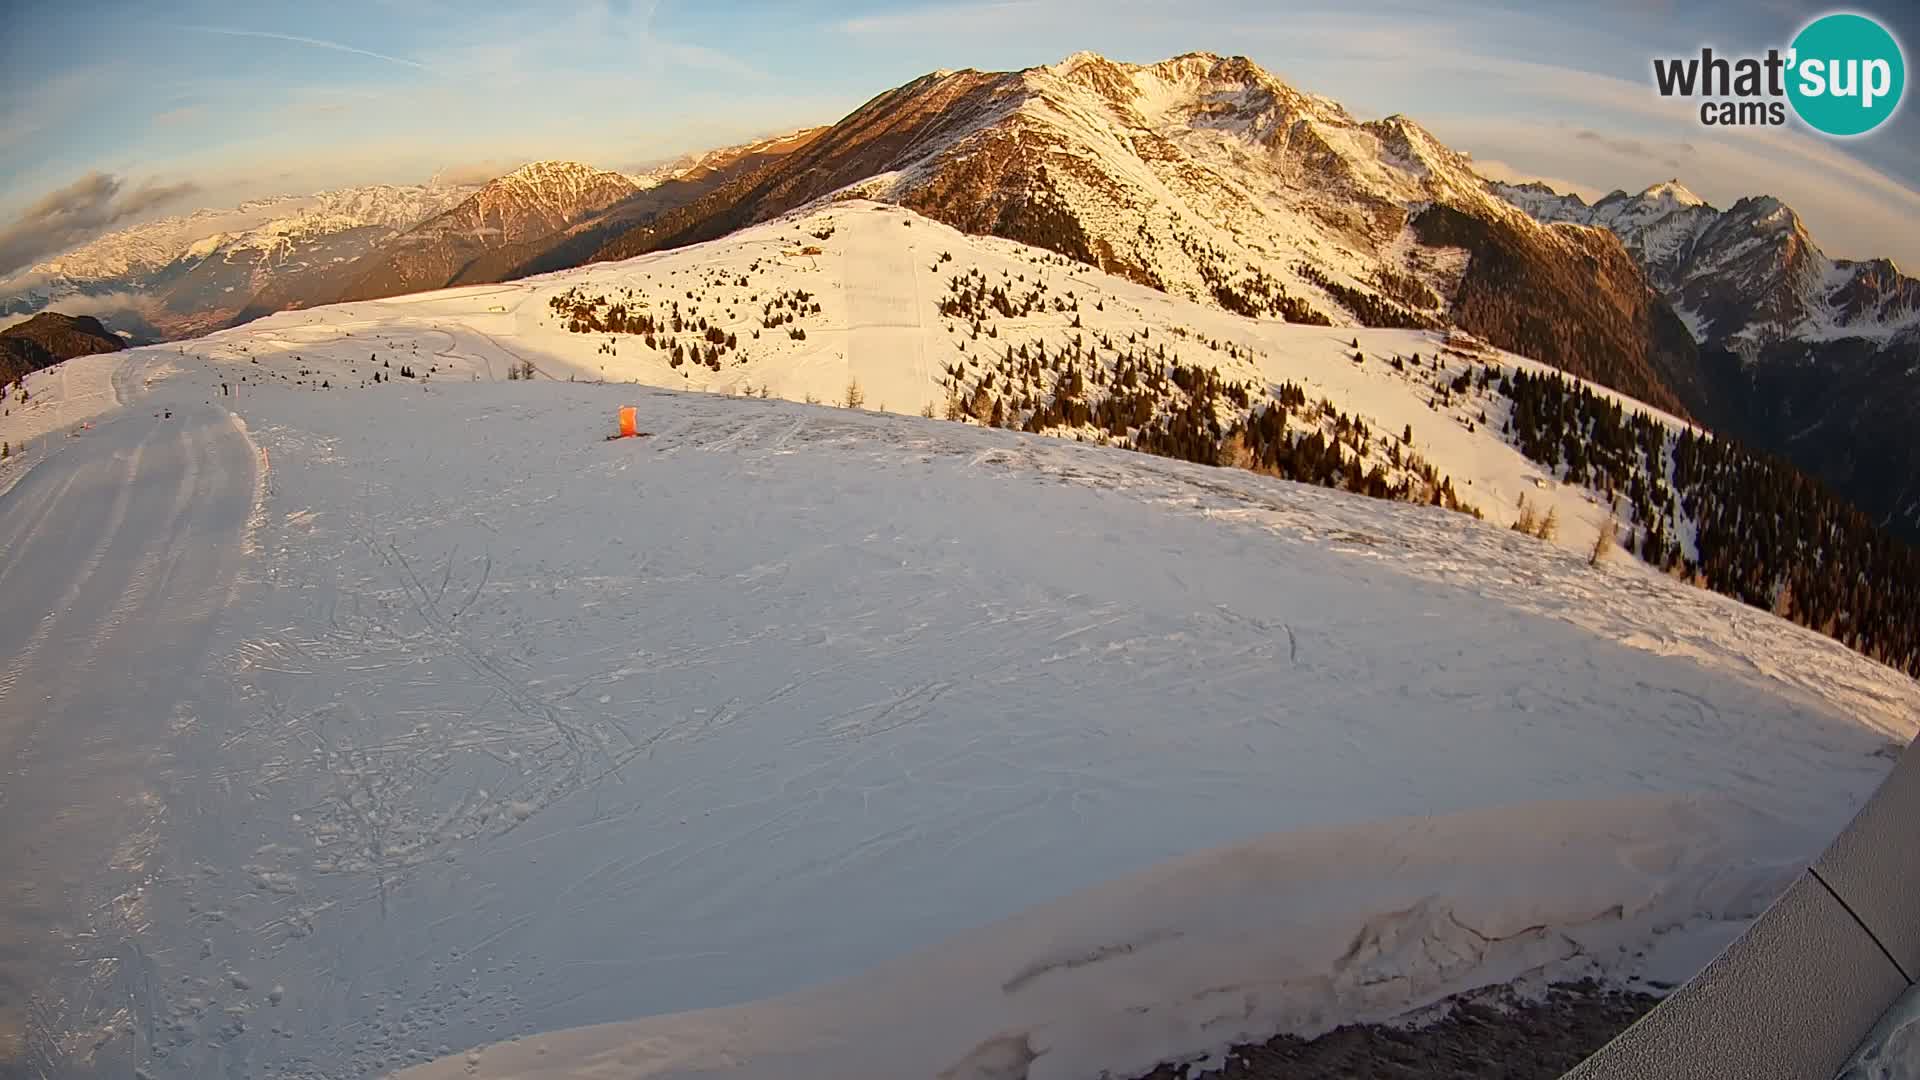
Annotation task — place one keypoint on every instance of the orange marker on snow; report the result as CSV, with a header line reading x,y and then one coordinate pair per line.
x,y
629,425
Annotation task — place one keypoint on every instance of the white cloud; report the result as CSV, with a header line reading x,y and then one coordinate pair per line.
x,y
97,305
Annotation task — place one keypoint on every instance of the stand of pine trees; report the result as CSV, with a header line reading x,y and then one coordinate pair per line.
x,y
1764,533
1251,291
1138,393
659,326
1371,310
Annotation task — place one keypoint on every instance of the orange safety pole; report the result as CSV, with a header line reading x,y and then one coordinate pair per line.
x,y
629,422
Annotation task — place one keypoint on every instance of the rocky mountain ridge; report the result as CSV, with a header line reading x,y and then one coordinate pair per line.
x,y
1208,177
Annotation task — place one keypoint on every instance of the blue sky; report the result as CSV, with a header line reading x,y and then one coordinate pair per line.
x,y
163,107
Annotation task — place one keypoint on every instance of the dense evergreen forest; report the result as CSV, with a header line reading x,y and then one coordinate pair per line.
x,y
1761,531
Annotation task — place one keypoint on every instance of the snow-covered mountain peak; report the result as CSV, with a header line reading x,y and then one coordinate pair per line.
x,y
1539,200
1626,213
554,179
1234,115
534,199
1205,68
1196,89
694,165
1085,58
1414,149
1745,277
535,171
1768,215
1672,193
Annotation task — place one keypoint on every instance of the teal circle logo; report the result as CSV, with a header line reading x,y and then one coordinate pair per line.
x,y
1847,75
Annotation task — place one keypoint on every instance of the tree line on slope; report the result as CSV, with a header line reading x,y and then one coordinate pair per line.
x,y
1140,394
1842,410
1763,532
685,335
1759,530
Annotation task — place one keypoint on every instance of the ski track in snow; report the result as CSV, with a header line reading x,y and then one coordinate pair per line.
x,y
114,579
514,729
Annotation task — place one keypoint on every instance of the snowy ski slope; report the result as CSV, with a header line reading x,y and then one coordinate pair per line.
x,y
905,744
878,278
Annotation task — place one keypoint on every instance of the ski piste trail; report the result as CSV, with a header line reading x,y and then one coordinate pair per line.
x,y
461,724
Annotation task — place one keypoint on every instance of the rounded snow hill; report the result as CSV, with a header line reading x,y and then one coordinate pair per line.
x,y
552,731
878,287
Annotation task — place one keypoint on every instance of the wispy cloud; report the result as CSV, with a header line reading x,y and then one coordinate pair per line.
x,y
318,43
1669,154
615,16
701,58
100,305
77,213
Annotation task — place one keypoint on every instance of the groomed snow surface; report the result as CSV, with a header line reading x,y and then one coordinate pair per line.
x,y
794,741
59,400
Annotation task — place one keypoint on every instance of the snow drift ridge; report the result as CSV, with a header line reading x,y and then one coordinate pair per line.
x,y
1294,931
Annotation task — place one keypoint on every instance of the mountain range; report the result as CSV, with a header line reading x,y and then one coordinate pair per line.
x,y
190,274
1810,357
187,275
1207,177
1202,176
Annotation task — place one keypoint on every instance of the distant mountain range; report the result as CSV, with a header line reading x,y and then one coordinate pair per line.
x,y
1745,277
1813,358
1203,176
188,275
533,201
